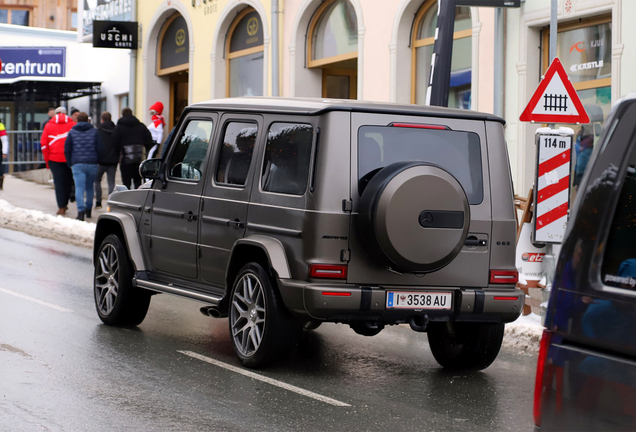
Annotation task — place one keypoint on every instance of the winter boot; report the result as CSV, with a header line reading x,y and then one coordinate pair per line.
x,y
88,213
61,211
80,215
98,205
1,181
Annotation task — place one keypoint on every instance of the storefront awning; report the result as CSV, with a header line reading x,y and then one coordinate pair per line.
x,y
46,89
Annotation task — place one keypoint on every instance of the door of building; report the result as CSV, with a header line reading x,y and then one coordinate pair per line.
x,y
340,83
178,96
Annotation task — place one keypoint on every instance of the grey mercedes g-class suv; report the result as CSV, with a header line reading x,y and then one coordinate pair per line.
x,y
285,213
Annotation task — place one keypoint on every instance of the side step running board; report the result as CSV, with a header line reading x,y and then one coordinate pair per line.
x,y
169,289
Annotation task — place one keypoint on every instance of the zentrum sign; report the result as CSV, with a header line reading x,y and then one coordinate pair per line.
x,y
33,61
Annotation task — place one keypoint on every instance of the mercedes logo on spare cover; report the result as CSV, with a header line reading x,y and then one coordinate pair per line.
x,y
426,219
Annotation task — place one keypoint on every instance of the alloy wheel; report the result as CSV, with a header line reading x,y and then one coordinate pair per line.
x,y
247,315
106,282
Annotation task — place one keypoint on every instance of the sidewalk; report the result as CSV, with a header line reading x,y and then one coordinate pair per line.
x,y
40,194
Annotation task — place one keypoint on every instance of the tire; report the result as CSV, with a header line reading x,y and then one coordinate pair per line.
x,y
118,303
261,329
469,346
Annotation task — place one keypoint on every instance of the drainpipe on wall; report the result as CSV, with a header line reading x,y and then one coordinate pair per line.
x,y
499,63
275,49
133,67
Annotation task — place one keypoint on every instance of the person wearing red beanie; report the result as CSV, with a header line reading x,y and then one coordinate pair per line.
x,y
156,126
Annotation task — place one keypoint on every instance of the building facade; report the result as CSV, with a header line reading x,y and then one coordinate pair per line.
x,y
194,50
597,49
51,14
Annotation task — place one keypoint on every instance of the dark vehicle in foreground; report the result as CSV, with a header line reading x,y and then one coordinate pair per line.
x,y
586,373
285,213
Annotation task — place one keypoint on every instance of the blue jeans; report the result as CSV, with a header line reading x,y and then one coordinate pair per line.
x,y
84,176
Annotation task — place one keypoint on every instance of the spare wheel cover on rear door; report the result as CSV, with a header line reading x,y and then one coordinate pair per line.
x,y
415,215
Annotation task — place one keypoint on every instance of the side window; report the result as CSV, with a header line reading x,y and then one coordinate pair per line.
x,y
236,153
286,165
619,262
186,161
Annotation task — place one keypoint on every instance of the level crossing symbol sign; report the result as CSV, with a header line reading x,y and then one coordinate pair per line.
x,y
555,100
552,196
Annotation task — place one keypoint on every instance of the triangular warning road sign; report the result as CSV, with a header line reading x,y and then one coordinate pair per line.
x,y
555,100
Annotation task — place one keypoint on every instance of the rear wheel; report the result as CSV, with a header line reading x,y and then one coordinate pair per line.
x,y
117,301
465,345
262,330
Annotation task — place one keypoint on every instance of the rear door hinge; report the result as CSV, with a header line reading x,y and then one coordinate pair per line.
x,y
345,255
150,242
347,205
153,197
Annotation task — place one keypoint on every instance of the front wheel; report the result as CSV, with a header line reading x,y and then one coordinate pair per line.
x,y
261,329
469,346
117,301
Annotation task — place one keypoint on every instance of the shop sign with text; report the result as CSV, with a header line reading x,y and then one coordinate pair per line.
x,y
32,62
104,10
586,53
115,34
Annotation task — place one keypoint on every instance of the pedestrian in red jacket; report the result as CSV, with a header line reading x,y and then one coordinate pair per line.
x,y
53,139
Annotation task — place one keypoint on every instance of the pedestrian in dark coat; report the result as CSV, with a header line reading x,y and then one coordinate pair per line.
x,y
108,163
131,138
83,149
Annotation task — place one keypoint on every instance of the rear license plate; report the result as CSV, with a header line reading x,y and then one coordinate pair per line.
x,y
419,300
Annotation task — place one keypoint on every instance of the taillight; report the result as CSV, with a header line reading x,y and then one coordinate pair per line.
x,y
538,384
328,271
504,276
419,126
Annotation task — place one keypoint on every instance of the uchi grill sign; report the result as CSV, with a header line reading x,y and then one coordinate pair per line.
x,y
115,34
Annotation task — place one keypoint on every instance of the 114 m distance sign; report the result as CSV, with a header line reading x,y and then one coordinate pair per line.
x,y
552,195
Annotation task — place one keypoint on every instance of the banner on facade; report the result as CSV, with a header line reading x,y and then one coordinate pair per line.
x,y
104,10
115,34
32,62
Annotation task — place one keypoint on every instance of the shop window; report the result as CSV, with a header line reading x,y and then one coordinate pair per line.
x,y
174,46
333,47
422,51
585,50
245,55
286,164
236,153
15,16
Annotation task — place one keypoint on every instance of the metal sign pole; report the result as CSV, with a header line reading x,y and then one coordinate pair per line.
x,y
550,259
439,82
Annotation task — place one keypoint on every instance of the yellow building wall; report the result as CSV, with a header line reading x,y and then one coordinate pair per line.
x,y
204,17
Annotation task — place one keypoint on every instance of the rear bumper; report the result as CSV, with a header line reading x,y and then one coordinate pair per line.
x,y
369,303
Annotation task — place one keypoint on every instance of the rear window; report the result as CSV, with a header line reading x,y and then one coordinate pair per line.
x,y
457,152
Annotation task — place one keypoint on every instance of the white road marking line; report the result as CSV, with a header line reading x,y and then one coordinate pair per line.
x,y
43,303
265,379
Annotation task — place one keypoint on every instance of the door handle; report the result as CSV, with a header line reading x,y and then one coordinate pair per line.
x,y
236,224
191,216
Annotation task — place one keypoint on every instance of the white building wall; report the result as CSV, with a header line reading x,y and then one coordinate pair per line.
x,y
523,67
83,62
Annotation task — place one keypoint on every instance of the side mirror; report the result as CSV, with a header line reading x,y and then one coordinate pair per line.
x,y
150,168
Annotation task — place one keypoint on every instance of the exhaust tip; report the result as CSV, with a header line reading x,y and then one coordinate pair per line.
x,y
211,311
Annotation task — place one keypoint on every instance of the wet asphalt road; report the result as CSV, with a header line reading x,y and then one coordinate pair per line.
x,y
61,369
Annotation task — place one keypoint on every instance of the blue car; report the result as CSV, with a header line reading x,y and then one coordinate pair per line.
x,y
586,373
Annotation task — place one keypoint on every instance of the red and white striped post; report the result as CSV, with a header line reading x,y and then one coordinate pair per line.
x,y
552,184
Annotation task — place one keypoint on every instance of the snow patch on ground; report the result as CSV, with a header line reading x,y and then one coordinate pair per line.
x,y
524,334
39,224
